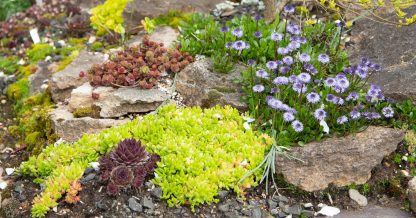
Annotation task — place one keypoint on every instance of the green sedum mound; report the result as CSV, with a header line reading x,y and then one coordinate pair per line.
x,y
201,151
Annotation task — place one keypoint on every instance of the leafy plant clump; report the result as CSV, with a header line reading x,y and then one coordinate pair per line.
x,y
201,152
139,66
39,52
108,16
126,166
10,7
251,38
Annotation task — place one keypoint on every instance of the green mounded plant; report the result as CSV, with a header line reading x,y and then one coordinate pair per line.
x,y
201,152
10,7
9,64
108,17
39,52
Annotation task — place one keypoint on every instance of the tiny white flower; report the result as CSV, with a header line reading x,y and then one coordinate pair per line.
x,y
95,165
246,126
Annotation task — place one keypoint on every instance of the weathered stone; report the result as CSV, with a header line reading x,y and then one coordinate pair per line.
x,y
373,211
200,86
134,205
137,10
62,82
412,193
117,102
357,197
37,79
392,47
70,129
148,203
164,34
5,81
340,161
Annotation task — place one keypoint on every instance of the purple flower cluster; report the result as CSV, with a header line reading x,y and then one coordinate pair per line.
x,y
374,94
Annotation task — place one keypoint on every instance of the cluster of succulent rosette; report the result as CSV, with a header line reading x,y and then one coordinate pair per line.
x,y
126,166
139,66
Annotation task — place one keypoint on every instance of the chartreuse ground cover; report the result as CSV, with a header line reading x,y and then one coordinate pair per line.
x,y
108,17
201,152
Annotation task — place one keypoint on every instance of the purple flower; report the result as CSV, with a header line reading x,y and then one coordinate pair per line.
x,y
319,114
288,60
293,46
376,67
262,74
257,17
251,62
258,35
304,57
304,77
323,58
331,98
353,96
274,103
287,117
271,65
237,32
343,83
297,126
239,45
388,112
279,62
293,78
330,82
299,87
361,73
284,69
313,97
258,88
273,90
229,45
224,29
342,119
339,23
340,101
281,80
276,36
348,70
289,9
282,51
355,114
293,29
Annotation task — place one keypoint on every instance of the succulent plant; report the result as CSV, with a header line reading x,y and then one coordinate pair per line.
x,y
126,166
139,66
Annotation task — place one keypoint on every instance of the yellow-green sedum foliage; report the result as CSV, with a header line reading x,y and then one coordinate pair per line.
x,y
108,16
202,151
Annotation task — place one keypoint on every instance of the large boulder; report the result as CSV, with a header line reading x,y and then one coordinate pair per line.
x,y
70,129
62,82
163,34
114,102
392,47
199,85
340,161
412,193
137,10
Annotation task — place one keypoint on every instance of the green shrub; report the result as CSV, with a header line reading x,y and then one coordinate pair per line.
x,y
39,52
108,16
201,151
10,7
9,64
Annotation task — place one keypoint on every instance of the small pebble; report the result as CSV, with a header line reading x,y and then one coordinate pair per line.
x,y
3,101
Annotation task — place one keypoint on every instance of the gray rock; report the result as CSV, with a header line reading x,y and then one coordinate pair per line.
x,y
62,82
397,57
274,211
200,86
231,214
357,197
281,214
224,207
280,198
5,81
246,212
89,170
372,211
88,178
341,161
156,192
37,79
164,34
148,203
272,204
134,205
308,213
256,213
253,203
294,210
102,205
117,102
223,194
412,193
70,129
137,10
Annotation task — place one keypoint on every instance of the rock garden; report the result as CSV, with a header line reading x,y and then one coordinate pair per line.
x,y
193,108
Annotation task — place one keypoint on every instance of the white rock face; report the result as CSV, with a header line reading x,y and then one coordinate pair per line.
x,y
357,197
329,211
